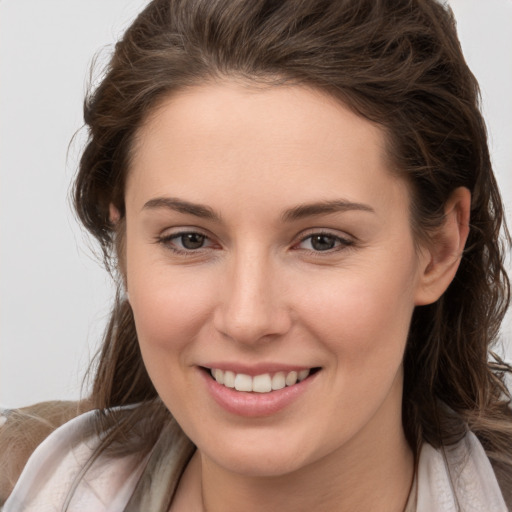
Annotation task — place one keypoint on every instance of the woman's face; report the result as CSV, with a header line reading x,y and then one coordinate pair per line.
x,y
267,240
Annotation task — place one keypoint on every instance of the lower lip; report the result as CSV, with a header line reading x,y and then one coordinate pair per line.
x,y
254,404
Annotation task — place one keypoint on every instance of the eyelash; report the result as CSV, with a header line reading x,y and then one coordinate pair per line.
x,y
167,240
343,243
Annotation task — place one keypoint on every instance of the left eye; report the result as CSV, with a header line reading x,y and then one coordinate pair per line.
x,y
320,242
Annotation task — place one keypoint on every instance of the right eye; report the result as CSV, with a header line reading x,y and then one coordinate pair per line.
x,y
186,241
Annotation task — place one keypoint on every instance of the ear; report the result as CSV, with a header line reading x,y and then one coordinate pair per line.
x,y
440,258
113,214
114,218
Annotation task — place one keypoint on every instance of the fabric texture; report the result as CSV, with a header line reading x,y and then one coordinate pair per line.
x,y
458,478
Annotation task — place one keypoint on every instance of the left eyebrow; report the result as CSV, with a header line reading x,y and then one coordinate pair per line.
x,y
323,208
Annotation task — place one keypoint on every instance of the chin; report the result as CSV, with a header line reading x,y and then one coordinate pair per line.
x,y
263,457
260,466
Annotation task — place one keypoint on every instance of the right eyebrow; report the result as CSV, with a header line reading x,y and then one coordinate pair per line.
x,y
178,205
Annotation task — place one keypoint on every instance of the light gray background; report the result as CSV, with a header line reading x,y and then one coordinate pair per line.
x,y
54,296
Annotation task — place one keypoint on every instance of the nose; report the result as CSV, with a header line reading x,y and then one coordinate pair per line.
x,y
252,307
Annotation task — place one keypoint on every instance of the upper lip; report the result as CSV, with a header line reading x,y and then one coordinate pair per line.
x,y
256,369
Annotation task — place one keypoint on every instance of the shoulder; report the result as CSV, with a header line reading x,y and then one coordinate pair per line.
x,y
458,477
66,463
22,430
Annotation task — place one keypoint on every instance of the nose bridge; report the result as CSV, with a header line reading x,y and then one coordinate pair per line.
x,y
252,309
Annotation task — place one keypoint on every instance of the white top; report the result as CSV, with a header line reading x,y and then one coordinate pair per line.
x,y
462,473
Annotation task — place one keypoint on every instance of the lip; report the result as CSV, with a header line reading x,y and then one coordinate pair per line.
x,y
253,405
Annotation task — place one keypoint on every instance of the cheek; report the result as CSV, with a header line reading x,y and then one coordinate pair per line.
x,y
169,303
168,309
363,316
169,313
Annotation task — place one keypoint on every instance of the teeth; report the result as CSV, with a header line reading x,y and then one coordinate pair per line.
x,y
264,383
229,379
302,375
278,381
291,379
243,382
218,375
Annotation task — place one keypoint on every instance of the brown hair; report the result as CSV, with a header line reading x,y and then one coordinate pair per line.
x,y
395,62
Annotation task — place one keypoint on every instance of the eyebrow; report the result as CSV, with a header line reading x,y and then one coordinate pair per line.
x,y
298,212
178,205
322,208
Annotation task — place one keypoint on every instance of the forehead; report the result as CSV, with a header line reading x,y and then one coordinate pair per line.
x,y
229,138
286,112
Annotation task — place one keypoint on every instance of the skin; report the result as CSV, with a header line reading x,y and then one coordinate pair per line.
x,y
258,291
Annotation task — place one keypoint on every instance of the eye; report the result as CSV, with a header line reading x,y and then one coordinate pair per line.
x,y
186,241
322,242
191,241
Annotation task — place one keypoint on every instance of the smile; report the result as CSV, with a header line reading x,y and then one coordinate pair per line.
x,y
264,383
252,393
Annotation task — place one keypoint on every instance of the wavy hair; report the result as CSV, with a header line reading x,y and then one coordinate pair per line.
x,y
397,63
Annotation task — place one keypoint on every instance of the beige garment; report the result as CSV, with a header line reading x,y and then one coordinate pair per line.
x,y
461,479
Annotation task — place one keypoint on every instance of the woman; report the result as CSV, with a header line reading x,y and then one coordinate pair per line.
x,y
298,203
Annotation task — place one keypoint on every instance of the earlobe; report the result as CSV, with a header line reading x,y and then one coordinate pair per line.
x,y
113,214
441,259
